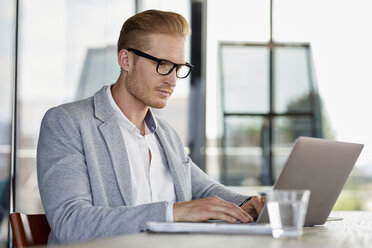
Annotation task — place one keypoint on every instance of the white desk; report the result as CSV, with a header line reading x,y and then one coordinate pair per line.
x,y
355,230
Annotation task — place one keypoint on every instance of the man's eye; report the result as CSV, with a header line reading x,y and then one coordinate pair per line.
x,y
163,64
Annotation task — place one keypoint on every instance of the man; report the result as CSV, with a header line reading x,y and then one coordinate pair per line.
x,y
106,165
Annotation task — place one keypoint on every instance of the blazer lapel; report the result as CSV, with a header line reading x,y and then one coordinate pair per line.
x,y
175,165
115,144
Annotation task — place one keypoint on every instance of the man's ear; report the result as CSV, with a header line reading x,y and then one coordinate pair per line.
x,y
125,60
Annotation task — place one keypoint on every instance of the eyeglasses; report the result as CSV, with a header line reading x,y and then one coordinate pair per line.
x,y
165,67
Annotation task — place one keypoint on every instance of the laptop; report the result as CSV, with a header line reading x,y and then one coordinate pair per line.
x,y
319,165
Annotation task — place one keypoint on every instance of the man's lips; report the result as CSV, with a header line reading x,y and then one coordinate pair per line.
x,y
164,92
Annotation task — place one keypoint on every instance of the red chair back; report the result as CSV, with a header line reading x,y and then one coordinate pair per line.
x,y
29,230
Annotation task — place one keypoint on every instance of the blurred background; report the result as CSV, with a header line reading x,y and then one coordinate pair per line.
x,y
266,73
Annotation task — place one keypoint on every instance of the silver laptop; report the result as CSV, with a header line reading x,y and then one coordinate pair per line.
x,y
321,166
316,164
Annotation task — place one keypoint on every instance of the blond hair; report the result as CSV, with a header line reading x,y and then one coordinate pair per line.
x,y
135,31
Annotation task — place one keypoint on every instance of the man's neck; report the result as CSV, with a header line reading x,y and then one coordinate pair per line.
x,y
131,107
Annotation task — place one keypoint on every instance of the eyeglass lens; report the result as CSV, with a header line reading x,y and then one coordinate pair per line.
x,y
165,67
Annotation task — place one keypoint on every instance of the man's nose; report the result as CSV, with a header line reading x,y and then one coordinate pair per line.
x,y
172,78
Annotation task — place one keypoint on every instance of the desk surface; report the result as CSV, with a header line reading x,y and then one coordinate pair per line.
x,y
355,230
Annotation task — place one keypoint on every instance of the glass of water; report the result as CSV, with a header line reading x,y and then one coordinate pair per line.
x,y
287,212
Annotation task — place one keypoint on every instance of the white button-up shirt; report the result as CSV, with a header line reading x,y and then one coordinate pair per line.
x,y
151,177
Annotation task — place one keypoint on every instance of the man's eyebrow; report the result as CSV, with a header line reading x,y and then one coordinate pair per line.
x,y
182,63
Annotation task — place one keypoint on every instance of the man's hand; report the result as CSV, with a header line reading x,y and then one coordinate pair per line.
x,y
210,208
254,206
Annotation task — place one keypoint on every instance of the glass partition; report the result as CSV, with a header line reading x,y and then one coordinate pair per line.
x,y
292,85
286,130
7,59
246,79
243,150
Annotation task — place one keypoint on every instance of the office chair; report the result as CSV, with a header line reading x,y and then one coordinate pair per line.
x,y
29,230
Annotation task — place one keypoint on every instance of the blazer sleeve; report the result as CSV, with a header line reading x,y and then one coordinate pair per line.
x,y
65,191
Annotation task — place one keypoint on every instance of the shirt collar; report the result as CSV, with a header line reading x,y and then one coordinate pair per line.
x,y
150,121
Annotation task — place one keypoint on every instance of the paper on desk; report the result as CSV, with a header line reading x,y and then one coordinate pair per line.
x,y
209,228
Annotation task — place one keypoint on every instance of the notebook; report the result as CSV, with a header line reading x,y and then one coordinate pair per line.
x,y
209,227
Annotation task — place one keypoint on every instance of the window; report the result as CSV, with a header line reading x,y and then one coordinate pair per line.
x,y
64,46
269,99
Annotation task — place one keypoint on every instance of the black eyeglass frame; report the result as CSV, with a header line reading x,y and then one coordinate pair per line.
x,y
177,66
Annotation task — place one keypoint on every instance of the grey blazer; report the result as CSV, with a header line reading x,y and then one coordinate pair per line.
x,y
84,176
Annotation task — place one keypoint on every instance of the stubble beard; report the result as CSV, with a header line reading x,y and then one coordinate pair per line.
x,y
144,95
